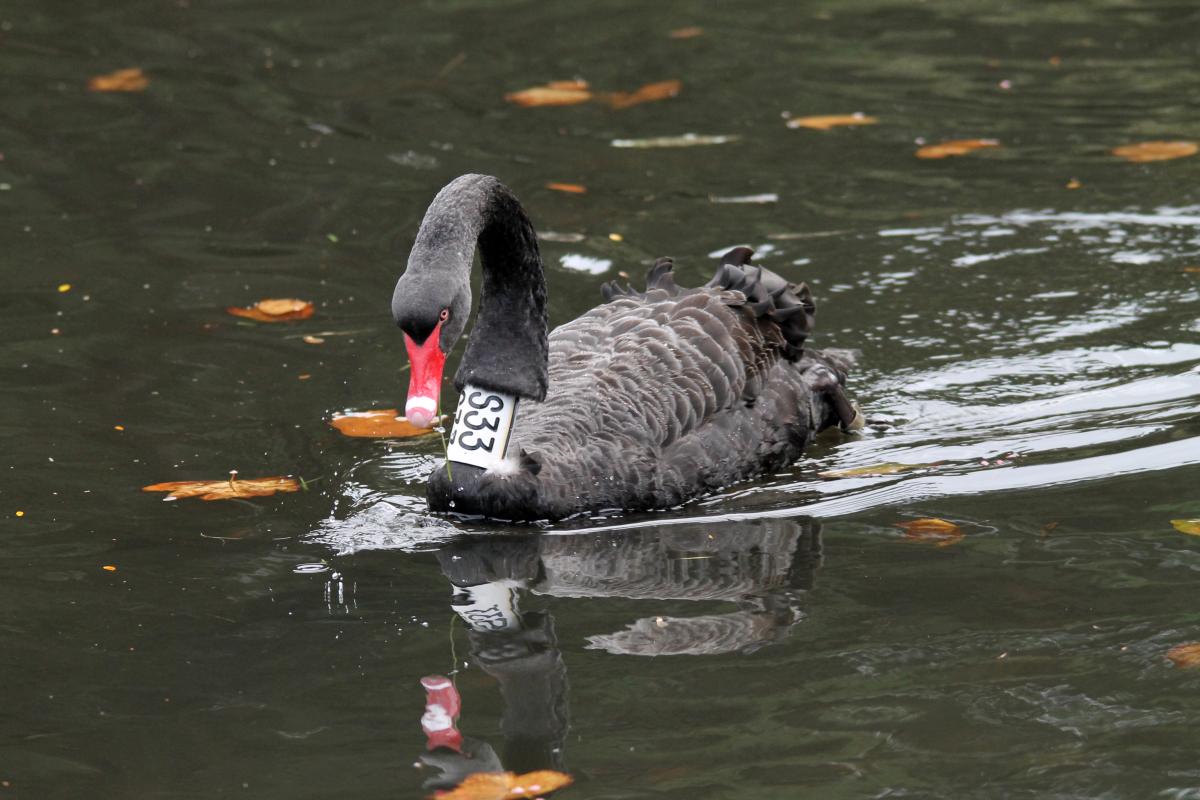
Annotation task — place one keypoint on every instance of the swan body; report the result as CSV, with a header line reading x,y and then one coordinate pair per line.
x,y
646,401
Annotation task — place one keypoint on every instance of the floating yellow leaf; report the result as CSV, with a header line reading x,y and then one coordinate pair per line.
x,y
225,490
956,147
827,121
284,310
889,468
569,188
661,90
1189,526
1074,183
933,530
123,80
555,93
501,785
1141,152
1185,655
570,93
380,423
109,568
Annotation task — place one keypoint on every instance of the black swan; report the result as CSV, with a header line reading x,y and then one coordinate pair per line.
x,y
643,402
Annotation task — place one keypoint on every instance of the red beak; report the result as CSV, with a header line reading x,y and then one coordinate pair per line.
x,y
425,382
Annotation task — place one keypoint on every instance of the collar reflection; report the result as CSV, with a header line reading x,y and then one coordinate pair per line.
x,y
762,567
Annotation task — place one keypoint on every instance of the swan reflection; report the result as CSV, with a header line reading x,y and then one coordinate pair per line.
x,y
761,567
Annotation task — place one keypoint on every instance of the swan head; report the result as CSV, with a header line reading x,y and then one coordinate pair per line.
x,y
432,315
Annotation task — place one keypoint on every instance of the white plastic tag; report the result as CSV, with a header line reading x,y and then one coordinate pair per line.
x,y
482,426
488,606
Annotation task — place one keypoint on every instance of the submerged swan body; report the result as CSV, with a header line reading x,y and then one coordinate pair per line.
x,y
644,402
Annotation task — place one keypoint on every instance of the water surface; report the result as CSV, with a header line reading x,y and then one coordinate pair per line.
x,y
1031,351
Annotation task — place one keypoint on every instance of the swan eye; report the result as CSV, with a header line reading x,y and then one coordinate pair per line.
x,y
444,315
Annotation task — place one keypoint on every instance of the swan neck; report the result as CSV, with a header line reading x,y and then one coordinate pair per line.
x,y
507,350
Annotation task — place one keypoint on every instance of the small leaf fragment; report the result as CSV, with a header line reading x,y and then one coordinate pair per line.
x,y
871,470
955,147
933,530
568,188
501,785
228,489
1074,183
1188,526
555,93
109,568
827,121
122,80
1185,655
380,423
277,310
1141,152
689,32
661,90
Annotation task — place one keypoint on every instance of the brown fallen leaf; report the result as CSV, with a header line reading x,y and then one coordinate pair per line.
x,y
956,147
123,80
229,489
661,90
1074,183
690,32
889,468
555,93
284,310
1191,269
827,121
380,423
569,188
1141,152
1185,655
1189,526
501,785
935,531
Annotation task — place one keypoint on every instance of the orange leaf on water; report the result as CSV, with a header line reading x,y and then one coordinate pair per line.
x,y
123,80
380,423
573,84
1189,526
1141,152
284,310
569,188
661,90
690,32
956,147
932,530
555,93
228,489
1185,655
827,121
501,785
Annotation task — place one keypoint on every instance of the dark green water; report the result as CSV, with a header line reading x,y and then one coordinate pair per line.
x,y
783,640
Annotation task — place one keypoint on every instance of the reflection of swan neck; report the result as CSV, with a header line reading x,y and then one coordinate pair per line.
x,y
488,607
